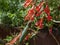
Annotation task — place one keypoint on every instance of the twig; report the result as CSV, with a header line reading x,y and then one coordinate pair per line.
x,y
54,38
56,21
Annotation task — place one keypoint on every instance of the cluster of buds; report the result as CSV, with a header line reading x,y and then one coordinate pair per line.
x,y
47,11
36,11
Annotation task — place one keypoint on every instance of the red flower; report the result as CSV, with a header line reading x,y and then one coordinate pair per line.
x,y
39,6
49,18
40,23
30,15
47,10
38,14
27,3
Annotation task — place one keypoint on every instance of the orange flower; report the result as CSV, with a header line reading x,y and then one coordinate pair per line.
x,y
15,39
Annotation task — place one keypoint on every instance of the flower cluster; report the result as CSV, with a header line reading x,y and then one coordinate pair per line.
x,y
36,11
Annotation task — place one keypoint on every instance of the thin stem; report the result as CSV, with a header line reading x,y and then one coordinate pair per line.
x,y
24,31
56,21
55,38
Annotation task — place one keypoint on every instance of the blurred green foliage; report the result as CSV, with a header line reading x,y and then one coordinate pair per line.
x,y
11,12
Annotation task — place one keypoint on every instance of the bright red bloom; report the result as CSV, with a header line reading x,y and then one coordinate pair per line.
x,y
47,10
39,6
40,23
49,18
30,15
27,3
